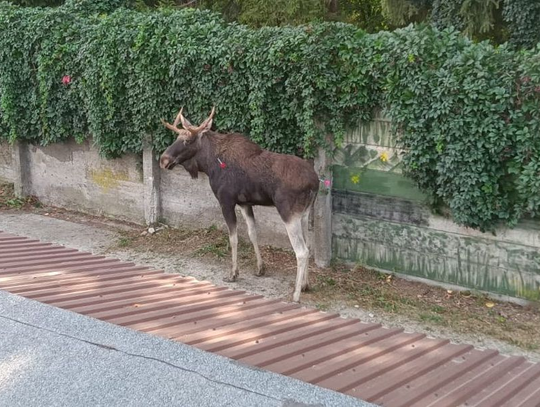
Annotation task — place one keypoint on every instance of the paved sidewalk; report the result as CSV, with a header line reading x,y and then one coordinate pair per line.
x,y
53,357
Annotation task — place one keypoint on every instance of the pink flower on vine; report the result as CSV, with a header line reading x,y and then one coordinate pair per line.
x,y
325,182
66,80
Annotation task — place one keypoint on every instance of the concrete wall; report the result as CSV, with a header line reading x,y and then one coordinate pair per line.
x,y
6,163
74,176
381,220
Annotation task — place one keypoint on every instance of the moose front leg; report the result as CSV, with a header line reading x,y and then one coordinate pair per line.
x,y
230,218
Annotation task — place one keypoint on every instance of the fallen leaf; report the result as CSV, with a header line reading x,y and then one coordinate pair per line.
x,y
490,304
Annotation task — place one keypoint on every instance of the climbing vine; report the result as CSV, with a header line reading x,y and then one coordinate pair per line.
x,y
522,17
467,113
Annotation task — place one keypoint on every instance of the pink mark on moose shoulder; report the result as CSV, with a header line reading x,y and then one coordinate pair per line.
x,y
66,80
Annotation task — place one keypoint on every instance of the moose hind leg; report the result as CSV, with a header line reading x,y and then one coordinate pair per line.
x,y
305,231
230,218
247,212
294,230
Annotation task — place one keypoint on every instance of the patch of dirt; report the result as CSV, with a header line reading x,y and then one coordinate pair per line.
x,y
463,317
210,244
8,200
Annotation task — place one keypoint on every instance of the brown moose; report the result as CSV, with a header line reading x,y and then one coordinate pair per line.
x,y
242,173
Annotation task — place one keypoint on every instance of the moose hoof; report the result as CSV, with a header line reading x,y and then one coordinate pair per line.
x,y
231,279
260,271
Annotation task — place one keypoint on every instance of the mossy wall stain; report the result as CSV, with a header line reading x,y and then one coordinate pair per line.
x,y
473,262
108,179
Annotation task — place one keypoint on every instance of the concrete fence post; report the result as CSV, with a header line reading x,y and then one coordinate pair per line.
x,y
322,212
151,179
21,181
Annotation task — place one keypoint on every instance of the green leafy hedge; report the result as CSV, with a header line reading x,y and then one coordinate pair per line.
x,y
523,18
468,113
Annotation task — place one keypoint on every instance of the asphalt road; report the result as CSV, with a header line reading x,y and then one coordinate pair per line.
x,y
53,357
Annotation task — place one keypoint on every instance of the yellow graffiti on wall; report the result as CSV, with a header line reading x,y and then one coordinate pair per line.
x,y
108,179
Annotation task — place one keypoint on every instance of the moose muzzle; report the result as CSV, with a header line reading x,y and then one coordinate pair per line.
x,y
166,162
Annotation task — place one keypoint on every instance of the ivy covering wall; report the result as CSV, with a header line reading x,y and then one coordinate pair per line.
x,y
469,114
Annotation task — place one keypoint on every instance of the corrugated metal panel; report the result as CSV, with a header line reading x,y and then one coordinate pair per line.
x,y
385,366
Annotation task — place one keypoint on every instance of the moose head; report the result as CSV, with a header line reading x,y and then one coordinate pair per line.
x,y
187,142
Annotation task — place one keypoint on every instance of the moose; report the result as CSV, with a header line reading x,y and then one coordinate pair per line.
x,y
243,174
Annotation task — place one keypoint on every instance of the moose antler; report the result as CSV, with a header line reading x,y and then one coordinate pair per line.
x,y
196,130
185,122
207,122
189,130
183,134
